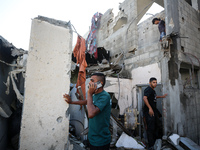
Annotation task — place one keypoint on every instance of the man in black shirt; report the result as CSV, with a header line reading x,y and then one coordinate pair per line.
x,y
151,113
161,27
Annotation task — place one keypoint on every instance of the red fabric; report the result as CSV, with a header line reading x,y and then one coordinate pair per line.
x,y
79,53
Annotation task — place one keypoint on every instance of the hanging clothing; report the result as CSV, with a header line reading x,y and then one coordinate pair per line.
x,y
91,43
79,53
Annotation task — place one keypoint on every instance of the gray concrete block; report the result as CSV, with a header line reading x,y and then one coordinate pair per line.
x,y
155,53
132,60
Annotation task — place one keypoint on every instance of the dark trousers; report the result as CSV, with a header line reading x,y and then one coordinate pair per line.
x,y
154,127
105,147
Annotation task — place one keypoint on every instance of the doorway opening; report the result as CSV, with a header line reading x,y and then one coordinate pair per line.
x,y
140,104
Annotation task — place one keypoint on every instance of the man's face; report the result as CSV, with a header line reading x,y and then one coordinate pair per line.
x,y
153,83
156,22
93,79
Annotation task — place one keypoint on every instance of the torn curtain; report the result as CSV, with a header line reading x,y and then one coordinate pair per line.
x,y
79,53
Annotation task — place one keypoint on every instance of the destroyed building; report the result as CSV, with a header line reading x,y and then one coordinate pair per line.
x,y
174,62
128,53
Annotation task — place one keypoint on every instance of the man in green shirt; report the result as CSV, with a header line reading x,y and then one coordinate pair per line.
x,y
99,108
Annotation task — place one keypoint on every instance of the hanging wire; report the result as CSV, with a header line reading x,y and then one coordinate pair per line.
x,y
12,65
74,29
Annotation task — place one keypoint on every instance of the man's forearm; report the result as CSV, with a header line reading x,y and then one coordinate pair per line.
x,y
147,102
159,96
163,96
81,102
92,110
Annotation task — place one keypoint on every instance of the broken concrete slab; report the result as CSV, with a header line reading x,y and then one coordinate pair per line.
x,y
128,142
187,143
45,121
175,138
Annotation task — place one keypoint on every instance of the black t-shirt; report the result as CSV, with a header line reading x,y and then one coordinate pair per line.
x,y
161,26
151,96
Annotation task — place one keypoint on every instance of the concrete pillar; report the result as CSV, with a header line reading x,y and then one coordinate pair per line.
x,y
170,70
171,16
45,118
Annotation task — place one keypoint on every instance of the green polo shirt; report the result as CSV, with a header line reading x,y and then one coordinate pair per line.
x,y
99,134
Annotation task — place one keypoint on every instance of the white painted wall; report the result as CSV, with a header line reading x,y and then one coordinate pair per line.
x,y
140,75
44,122
125,97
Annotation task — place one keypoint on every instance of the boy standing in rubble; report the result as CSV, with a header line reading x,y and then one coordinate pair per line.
x,y
99,109
151,113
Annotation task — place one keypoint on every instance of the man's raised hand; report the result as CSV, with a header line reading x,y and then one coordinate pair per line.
x,y
67,98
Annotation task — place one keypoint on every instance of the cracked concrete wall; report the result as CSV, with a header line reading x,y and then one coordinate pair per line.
x,y
45,123
189,19
191,108
119,39
145,37
189,54
170,75
181,108
149,48
181,19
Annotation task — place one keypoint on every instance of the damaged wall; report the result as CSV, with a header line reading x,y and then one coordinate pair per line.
x,y
45,117
116,33
148,53
183,28
141,75
191,109
189,19
122,88
182,25
149,48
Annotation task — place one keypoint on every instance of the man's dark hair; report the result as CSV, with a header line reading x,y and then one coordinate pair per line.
x,y
152,79
101,77
154,19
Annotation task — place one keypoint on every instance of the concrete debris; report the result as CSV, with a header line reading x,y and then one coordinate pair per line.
x,y
187,143
19,66
128,142
18,52
175,138
158,144
119,124
13,75
77,145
